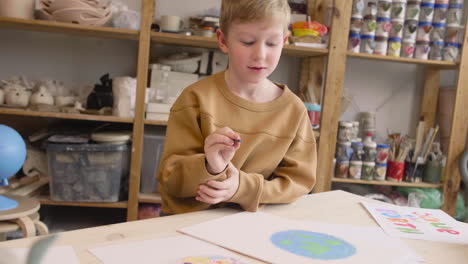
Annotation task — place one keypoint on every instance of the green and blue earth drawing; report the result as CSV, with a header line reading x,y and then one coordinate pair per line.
x,y
313,245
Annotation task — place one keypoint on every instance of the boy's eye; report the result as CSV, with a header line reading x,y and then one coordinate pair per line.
x,y
271,44
248,43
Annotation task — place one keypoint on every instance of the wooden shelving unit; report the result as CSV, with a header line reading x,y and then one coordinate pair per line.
x,y
322,67
43,199
389,183
101,118
149,198
67,28
206,42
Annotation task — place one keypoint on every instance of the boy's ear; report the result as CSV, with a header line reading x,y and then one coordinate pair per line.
x,y
222,40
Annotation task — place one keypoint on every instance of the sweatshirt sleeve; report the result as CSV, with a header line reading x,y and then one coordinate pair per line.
x,y
294,177
182,166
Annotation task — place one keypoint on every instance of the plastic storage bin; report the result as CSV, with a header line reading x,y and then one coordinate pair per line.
x,y
152,152
88,172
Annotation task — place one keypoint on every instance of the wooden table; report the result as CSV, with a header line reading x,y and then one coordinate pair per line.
x,y
335,207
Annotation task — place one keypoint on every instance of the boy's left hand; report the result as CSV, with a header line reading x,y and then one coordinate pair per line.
x,y
213,192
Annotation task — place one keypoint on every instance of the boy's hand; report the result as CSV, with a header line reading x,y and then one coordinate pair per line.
x,y
220,147
213,192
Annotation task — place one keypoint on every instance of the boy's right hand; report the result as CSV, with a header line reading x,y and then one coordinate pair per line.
x,y
220,147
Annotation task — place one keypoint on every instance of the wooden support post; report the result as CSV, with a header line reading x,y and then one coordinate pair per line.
x,y
332,93
458,134
139,121
430,97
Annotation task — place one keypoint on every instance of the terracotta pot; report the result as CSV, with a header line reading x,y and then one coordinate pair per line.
x,y
17,8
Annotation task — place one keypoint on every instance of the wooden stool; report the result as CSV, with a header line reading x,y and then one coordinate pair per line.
x,y
24,216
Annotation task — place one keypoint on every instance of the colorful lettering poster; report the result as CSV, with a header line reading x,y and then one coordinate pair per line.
x,y
278,240
170,250
417,223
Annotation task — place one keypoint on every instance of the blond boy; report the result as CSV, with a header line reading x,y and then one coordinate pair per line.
x,y
236,137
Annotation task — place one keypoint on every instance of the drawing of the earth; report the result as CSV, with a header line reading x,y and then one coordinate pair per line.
x,y
313,245
209,260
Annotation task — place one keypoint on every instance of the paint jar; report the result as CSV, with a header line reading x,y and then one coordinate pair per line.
x,y
394,47
370,152
454,34
424,31
438,32
412,10
367,44
345,131
368,170
355,130
354,42
427,12
395,171
358,151
383,27
313,111
451,52
398,9
436,50
381,44
356,23
432,171
371,8
355,169
412,174
369,26
382,153
455,14
358,7
422,50
407,48
397,29
384,8
380,171
429,1
343,151
445,1
367,121
341,169
410,30
440,13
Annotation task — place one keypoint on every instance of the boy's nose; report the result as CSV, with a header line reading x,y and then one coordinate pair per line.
x,y
260,51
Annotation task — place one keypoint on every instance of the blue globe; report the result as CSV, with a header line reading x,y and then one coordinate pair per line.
x,y
12,153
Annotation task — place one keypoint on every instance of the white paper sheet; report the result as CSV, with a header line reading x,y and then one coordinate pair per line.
x,y
172,250
264,236
54,255
417,223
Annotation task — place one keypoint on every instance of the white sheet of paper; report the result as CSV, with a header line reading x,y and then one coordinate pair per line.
x,y
54,255
169,250
255,235
417,223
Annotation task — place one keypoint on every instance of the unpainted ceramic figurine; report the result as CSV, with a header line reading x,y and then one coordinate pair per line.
x,y
42,96
17,96
2,97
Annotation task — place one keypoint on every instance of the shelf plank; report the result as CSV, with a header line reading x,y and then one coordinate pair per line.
x,y
212,43
441,64
20,112
155,123
150,198
68,28
45,200
390,183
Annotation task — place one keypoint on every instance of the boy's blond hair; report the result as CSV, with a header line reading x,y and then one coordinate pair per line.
x,y
242,11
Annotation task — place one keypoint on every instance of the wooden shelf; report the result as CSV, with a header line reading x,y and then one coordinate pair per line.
x,y
206,42
20,112
390,183
149,198
45,200
68,28
155,123
441,64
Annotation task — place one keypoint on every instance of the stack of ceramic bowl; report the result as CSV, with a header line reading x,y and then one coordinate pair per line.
x,y
83,12
354,42
439,28
424,30
369,27
454,33
413,9
396,33
384,9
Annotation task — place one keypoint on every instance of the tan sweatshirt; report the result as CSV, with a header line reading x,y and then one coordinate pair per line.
x,y
277,158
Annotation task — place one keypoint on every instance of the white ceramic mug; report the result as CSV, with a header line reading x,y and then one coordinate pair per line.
x,y
171,23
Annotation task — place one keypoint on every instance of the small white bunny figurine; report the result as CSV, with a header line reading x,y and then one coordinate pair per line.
x,y
17,96
42,96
